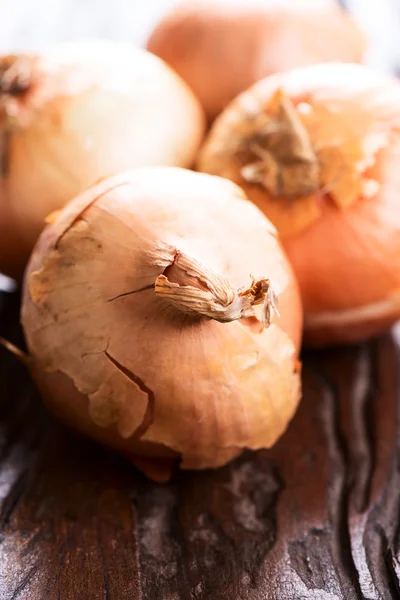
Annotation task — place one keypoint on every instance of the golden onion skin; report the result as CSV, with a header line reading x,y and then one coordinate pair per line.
x,y
77,113
221,47
143,376
343,239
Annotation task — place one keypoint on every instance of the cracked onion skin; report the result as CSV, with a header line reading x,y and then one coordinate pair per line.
x,y
336,153
77,113
114,305
221,47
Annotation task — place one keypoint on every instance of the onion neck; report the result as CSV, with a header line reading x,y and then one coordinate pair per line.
x,y
191,288
15,75
282,156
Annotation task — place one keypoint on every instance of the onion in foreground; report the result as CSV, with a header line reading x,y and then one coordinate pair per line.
x,y
146,310
75,114
221,47
318,150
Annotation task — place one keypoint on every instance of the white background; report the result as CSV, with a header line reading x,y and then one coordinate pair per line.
x,y
34,23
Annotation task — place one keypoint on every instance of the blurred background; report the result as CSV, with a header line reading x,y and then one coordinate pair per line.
x,y
28,24
34,23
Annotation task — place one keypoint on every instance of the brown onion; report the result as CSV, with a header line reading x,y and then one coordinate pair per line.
x,y
221,47
75,114
145,324
318,150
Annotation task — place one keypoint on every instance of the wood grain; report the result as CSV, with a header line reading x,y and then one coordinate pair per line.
x,y
316,517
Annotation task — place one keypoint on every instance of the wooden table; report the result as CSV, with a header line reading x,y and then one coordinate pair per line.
x,y
315,518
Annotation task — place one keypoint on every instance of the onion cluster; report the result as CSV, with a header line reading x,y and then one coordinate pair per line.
x,y
162,307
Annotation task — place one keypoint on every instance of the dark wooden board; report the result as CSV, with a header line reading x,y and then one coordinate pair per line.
x,y
316,517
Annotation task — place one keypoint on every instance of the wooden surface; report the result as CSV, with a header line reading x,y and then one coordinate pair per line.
x,y
316,517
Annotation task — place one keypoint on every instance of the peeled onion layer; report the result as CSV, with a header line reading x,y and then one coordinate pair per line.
x,y
75,114
144,376
221,47
343,237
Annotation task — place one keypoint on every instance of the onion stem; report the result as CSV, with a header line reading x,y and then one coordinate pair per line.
x,y
215,298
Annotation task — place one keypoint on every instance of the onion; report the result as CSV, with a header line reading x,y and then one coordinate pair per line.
x,y
318,150
145,327
78,113
221,47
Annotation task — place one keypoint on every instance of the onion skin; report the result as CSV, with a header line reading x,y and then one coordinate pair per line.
x,y
344,248
88,110
71,407
221,47
133,371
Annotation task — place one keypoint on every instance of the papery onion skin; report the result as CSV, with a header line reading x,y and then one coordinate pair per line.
x,y
89,110
221,47
133,371
345,250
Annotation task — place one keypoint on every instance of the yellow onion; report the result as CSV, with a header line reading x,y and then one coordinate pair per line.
x,y
318,150
221,47
148,311
75,114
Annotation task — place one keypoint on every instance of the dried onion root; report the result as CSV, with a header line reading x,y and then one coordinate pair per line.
x,y
146,329
221,47
75,114
317,150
